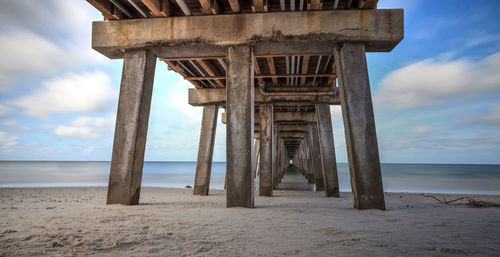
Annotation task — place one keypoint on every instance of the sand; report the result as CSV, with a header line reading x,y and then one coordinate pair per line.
x,y
173,222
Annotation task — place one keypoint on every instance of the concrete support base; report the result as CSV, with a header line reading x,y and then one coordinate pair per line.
x,y
359,126
240,127
205,150
327,150
131,127
266,150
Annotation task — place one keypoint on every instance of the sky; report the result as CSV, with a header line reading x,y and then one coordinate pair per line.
x,y
436,95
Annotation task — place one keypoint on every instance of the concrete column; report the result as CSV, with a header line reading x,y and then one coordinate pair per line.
x,y
316,158
309,163
359,126
131,127
276,151
266,150
282,158
256,153
240,126
205,150
327,150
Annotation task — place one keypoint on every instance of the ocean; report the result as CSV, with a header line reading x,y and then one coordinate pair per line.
x,y
413,178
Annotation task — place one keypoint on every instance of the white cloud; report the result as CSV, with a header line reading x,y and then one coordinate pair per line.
x,y
7,141
85,127
429,82
41,38
490,119
421,129
336,112
73,93
10,123
4,110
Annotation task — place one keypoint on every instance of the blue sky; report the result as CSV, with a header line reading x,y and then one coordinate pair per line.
x,y
436,95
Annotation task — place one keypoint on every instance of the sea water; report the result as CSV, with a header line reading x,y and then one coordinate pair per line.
x,y
431,178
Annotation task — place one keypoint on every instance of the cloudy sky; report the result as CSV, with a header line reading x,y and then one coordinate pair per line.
x,y
436,95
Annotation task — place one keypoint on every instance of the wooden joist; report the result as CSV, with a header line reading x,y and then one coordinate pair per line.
x,y
257,70
367,4
108,10
158,8
265,76
314,5
272,69
235,6
256,56
210,6
210,70
180,70
305,65
259,6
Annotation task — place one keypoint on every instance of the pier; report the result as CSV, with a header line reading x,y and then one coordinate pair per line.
x,y
274,68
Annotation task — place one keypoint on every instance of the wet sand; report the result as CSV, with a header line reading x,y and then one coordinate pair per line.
x,y
173,222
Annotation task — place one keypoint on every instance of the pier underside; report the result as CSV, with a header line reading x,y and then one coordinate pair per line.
x,y
275,67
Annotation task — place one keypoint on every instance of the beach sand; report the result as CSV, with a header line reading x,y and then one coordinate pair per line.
x,y
173,222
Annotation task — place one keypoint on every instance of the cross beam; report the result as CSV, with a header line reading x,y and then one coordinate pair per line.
x,y
380,30
199,97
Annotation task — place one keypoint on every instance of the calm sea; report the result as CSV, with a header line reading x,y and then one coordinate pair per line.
x,y
432,178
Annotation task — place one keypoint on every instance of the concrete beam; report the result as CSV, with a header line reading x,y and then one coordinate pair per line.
x,y
200,97
284,134
380,30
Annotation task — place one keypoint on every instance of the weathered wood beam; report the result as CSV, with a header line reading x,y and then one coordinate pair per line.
x,y
158,8
272,69
210,69
200,97
107,9
182,72
257,71
305,65
302,88
258,6
267,76
235,5
367,4
210,6
313,5
379,30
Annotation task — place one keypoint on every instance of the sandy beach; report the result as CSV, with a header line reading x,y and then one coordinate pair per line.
x,y
173,222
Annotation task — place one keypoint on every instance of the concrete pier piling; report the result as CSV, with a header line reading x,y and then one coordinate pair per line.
x,y
327,150
205,150
266,150
240,127
131,127
359,126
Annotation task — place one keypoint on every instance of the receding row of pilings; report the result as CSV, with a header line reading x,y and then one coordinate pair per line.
x,y
359,125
